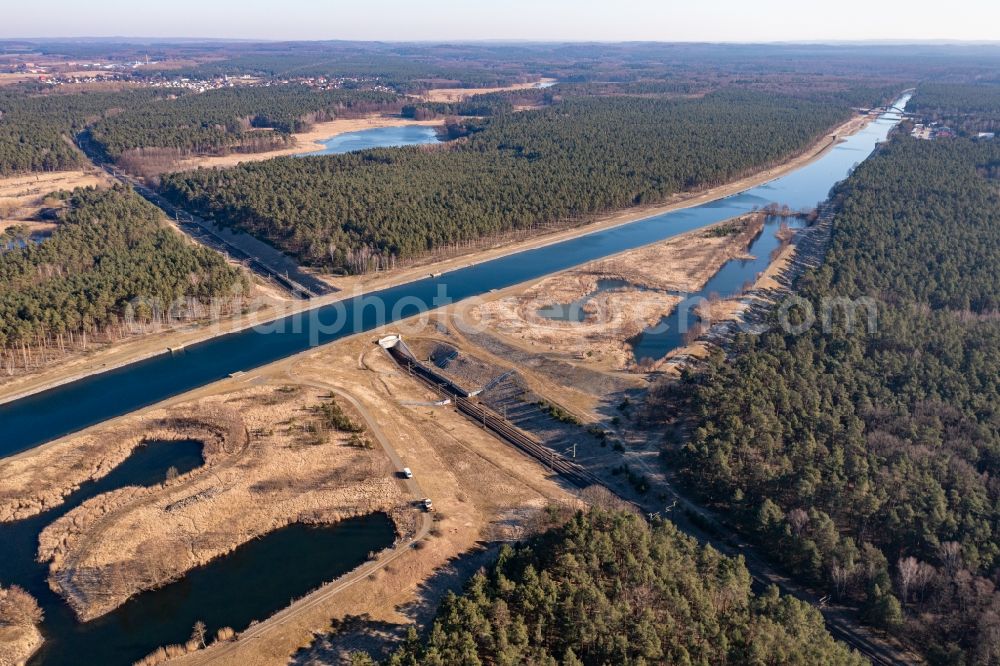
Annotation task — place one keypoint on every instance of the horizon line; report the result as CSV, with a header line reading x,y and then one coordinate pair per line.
x,y
900,41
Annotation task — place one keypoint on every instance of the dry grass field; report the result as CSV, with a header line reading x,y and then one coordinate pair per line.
x,y
653,277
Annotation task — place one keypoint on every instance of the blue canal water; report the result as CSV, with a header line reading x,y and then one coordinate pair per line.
x,y
39,418
378,137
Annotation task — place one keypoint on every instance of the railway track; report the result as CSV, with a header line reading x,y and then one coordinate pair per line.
x,y
259,257
490,420
569,470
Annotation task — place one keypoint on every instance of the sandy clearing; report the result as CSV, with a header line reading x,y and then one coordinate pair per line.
x,y
458,94
653,273
13,78
28,190
305,142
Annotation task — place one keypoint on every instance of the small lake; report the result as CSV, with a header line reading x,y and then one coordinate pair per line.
x,y
147,466
251,583
36,237
378,137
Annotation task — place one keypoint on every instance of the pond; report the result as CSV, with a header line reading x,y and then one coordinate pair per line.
x,y
378,137
666,335
251,583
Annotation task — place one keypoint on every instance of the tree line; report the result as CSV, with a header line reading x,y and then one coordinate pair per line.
x,y
111,249
37,129
868,461
607,588
408,72
356,212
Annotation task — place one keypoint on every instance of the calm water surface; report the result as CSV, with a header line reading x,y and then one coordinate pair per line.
x,y
41,417
656,341
147,466
379,137
252,583
249,584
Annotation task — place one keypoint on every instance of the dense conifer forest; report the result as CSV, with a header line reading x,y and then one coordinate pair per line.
x,y
868,461
967,108
229,119
607,588
352,213
36,130
109,248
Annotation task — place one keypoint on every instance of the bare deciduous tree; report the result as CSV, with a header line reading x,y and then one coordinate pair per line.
x,y
19,608
908,568
950,554
798,519
198,633
841,577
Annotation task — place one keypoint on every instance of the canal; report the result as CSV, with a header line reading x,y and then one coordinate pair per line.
x,y
38,418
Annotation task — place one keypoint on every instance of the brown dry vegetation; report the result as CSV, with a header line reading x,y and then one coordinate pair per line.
x,y
482,490
272,465
38,480
654,273
19,617
22,197
458,94
18,643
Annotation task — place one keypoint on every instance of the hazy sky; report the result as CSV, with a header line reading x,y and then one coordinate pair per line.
x,y
663,20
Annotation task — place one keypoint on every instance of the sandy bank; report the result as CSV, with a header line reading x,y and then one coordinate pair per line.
x,y
458,94
305,142
653,276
